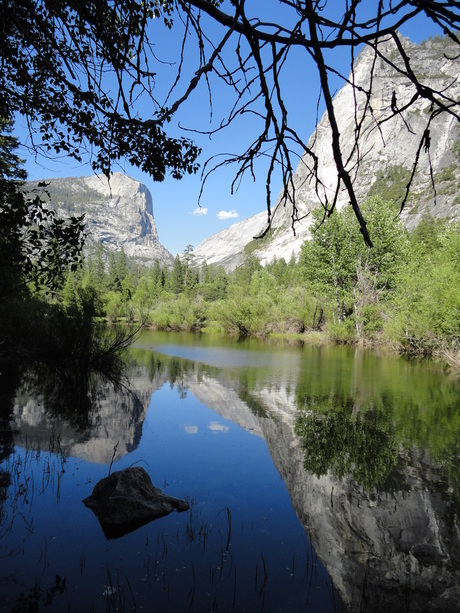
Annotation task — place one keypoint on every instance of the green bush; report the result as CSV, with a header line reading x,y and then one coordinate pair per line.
x,y
179,314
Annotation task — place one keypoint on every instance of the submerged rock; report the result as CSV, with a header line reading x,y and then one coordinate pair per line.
x,y
126,500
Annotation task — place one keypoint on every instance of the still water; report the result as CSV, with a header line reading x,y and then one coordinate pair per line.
x,y
318,479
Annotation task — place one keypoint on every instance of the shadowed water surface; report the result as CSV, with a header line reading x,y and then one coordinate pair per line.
x,y
319,479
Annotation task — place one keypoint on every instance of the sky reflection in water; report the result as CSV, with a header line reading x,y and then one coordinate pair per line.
x,y
362,449
240,547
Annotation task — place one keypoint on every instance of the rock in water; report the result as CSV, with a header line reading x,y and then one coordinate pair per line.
x,y
126,500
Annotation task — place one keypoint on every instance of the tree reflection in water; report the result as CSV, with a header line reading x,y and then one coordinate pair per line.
x,y
339,436
371,470
369,451
54,408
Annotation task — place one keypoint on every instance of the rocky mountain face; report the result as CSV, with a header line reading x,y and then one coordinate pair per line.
x,y
382,163
118,214
226,248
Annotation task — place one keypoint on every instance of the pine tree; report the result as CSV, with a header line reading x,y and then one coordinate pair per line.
x,y
177,276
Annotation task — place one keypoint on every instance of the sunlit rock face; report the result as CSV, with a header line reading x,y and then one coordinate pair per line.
x,y
385,148
226,248
118,214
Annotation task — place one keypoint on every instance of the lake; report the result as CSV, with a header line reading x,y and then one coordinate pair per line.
x,y
318,479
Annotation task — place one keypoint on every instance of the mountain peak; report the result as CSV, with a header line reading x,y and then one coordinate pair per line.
x,y
118,213
383,162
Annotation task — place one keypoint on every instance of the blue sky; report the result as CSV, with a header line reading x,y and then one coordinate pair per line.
x,y
179,219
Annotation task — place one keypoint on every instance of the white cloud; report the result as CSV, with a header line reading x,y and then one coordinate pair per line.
x,y
190,429
227,214
215,426
200,210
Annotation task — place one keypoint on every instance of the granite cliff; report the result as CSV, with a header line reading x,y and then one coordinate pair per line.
x,y
118,214
386,154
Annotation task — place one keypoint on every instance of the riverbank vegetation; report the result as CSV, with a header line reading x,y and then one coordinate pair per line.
x,y
403,293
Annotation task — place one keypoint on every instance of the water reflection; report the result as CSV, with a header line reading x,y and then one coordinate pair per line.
x,y
390,507
367,446
339,437
369,449
240,546
97,419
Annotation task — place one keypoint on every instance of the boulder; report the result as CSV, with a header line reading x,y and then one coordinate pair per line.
x,y
126,500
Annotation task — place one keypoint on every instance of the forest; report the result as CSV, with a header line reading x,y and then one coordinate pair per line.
x,y
402,294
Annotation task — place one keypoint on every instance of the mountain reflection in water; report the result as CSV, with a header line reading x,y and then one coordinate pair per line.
x,y
367,447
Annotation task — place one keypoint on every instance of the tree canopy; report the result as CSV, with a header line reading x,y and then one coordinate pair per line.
x,y
86,76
